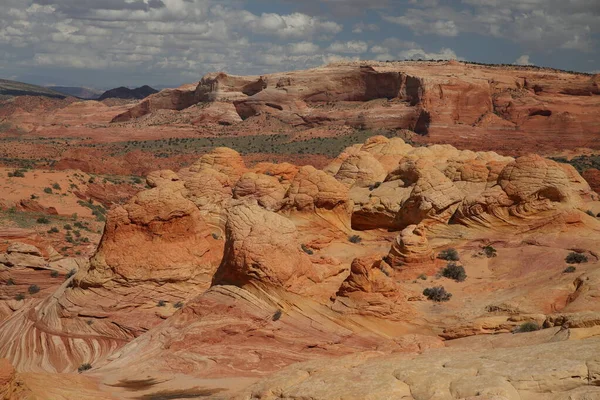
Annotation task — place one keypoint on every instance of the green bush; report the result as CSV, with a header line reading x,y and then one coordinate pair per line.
x,y
453,271
590,213
161,303
489,251
33,289
67,227
43,220
306,249
179,304
53,230
48,190
20,297
423,277
54,274
277,315
569,269
437,294
576,258
84,367
449,255
528,327
10,282
355,239
56,186
18,173
70,273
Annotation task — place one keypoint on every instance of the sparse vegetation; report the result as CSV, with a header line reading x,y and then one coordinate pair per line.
x,y
84,367
454,271
528,327
179,304
33,289
437,294
67,227
70,273
42,220
374,186
161,303
48,190
20,297
489,251
53,230
10,282
449,255
306,249
423,277
215,235
354,239
570,269
54,274
277,315
56,186
590,213
576,258
17,173
97,210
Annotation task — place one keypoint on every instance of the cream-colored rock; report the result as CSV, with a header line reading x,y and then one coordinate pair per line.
x,y
361,169
157,178
267,190
411,247
221,159
312,188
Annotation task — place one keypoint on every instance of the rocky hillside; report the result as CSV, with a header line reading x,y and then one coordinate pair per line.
x,y
449,102
368,278
79,92
128,94
14,89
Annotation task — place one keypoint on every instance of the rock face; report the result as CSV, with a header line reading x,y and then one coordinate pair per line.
x,y
220,270
411,247
494,106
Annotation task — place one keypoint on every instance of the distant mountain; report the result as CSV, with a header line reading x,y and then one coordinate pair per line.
x,y
13,88
75,91
129,94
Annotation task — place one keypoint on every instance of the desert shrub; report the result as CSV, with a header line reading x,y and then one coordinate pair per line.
x,y
17,173
277,315
354,239
306,249
33,197
70,273
56,186
437,294
449,255
528,327
179,304
33,289
136,180
20,296
489,251
374,186
590,213
89,322
454,271
569,269
10,282
423,277
54,274
161,303
67,227
84,367
215,236
42,220
576,258
53,230
48,190
91,180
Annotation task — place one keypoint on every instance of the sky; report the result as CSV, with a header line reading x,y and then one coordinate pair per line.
x,y
108,43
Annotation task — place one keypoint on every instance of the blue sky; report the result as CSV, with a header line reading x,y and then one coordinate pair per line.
x,y
108,43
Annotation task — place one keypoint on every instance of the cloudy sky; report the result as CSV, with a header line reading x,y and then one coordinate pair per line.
x,y
107,43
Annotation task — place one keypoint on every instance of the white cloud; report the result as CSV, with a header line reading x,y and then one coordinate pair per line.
x,y
414,54
362,27
523,60
304,48
534,24
351,47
